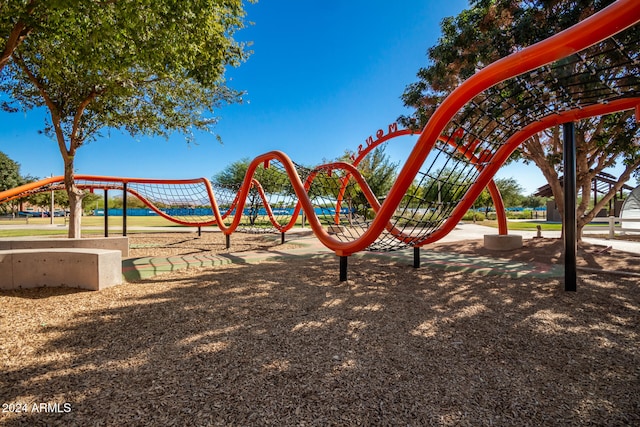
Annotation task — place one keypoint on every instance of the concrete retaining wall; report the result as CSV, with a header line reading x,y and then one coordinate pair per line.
x,y
119,243
92,269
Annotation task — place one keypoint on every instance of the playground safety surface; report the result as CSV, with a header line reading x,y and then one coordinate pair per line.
x,y
268,335
287,343
306,246
145,267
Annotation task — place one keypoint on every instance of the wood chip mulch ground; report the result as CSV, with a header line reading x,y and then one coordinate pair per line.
x,y
285,343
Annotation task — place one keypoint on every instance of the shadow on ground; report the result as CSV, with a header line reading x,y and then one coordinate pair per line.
x,y
287,344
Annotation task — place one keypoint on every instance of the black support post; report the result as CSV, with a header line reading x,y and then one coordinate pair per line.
x,y
227,240
282,238
343,268
124,209
570,218
106,212
416,257
199,231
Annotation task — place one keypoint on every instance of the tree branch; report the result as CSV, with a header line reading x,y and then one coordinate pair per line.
x,y
18,33
75,142
53,108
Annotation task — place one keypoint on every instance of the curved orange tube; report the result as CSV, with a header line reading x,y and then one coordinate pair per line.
x,y
467,151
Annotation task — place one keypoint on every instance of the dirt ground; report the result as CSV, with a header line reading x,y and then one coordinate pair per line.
x,y
286,343
590,257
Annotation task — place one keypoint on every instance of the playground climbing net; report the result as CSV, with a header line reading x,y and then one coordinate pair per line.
x,y
600,74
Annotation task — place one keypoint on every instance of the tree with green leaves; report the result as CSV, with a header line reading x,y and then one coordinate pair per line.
x,y
146,67
379,172
273,180
534,202
9,173
510,191
9,177
492,29
16,23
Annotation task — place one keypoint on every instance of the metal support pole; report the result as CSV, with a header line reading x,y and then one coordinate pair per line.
x,y
227,240
570,217
343,268
416,257
199,231
106,212
282,238
124,209
53,206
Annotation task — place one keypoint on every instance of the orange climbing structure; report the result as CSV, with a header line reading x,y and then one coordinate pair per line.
x,y
472,133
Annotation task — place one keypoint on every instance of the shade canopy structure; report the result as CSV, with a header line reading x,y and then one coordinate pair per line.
x,y
631,206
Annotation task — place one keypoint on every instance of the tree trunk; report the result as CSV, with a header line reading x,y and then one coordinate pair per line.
x,y
75,200
75,219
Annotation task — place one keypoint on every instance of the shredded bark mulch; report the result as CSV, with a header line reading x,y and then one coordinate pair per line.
x,y
283,343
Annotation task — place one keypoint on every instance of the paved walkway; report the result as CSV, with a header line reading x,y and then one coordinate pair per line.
x,y
307,246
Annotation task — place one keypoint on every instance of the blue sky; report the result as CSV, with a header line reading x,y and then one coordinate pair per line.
x,y
323,77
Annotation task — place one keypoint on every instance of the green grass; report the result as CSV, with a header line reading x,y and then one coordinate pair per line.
x,y
154,221
96,221
88,222
53,232
532,225
94,225
522,225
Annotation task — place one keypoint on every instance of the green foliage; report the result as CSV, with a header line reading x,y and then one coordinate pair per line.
x,y
9,173
10,177
151,67
510,191
132,202
91,201
473,216
43,199
273,180
524,214
492,29
146,67
487,31
379,172
534,202
448,186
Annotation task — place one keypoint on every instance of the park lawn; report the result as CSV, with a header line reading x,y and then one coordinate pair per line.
x,y
525,225
91,225
94,225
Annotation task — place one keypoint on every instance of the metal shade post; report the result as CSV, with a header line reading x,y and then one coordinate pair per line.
x,y
106,213
343,268
570,218
124,209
